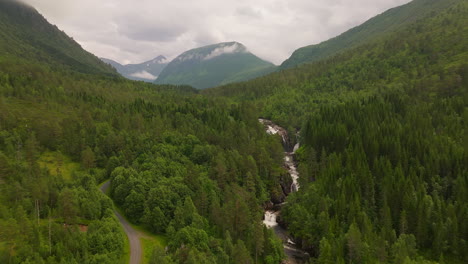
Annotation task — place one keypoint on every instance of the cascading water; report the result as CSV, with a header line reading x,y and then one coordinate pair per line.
x,y
294,254
289,162
274,129
270,219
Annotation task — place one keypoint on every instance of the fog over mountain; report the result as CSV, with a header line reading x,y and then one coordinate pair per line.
x,y
214,65
146,71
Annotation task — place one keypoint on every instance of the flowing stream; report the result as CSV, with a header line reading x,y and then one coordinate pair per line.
x,y
293,253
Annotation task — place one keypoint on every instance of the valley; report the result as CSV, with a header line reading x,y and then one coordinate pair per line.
x,y
353,150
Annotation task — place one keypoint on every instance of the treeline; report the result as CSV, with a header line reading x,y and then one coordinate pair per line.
x,y
385,180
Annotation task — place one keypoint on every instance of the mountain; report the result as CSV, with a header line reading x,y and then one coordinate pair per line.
x,y
26,35
214,65
146,71
374,28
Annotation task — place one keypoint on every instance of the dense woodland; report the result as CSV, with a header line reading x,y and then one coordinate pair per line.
x,y
180,164
185,166
383,157
384,145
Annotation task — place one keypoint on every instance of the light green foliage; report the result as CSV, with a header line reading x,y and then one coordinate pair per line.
x,y
58,164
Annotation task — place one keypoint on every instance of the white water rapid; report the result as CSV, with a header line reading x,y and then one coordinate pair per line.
x,y
294,254
270,219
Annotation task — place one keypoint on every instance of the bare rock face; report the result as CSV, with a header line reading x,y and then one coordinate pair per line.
x,y
278,196
273,129
286,182
269,205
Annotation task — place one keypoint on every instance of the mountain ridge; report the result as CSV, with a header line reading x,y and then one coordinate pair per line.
x,y
214,65
26,34
146,71
373,28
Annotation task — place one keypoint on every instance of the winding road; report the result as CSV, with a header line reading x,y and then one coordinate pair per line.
x,y
132,234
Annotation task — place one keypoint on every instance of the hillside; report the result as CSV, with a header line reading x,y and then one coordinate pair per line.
x,y
376,27
384,149
146,71
214,65
27,35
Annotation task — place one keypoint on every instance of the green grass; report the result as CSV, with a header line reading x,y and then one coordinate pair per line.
x,y
58,164
148,240
149,243
126,251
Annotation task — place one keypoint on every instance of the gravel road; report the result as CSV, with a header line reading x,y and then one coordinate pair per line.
x,y
132,234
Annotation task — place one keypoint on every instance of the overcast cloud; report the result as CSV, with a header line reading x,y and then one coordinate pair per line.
x,y
133,31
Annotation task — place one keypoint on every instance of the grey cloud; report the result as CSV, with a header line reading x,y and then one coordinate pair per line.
x,y
136,31
249,12
149,30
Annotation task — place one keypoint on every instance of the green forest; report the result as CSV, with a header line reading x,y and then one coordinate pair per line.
x,y
384,144
383,130
181,164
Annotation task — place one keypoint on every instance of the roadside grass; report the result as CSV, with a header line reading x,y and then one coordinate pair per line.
x,y
125,259
149,241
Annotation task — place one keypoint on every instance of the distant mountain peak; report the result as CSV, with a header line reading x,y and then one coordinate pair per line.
x,y
226,48
214,65
146,71
159,59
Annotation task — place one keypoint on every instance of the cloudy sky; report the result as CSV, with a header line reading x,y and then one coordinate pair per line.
x,y
133,31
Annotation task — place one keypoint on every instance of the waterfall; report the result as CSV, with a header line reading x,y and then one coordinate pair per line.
x,y
289,162
270,219
294,254
295,147
273,129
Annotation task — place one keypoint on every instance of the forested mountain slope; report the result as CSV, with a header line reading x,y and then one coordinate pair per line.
x,y
389,21
384,154
181,165
26,35
214,65
434,47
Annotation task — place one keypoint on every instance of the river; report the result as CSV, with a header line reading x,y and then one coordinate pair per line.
x,y
293,253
